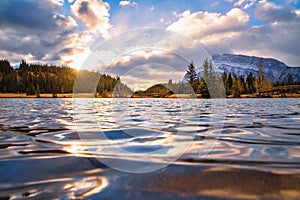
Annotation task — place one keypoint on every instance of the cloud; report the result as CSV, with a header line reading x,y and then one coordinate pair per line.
x,y
215,4
130,54
57,2
240,3
39,31
293,1
205,26
15,58
65,21
128,3
28,15
270,12
94,14
140,72
152,8
245,4
44,31
145,75
124,3
34,28
277,37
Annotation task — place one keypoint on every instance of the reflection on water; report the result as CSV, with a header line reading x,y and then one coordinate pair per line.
x,y
45,154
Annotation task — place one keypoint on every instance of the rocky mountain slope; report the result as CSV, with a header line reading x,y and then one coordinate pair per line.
x,y
242,65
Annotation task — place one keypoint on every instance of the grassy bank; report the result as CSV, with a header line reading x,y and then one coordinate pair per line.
x,y
23,95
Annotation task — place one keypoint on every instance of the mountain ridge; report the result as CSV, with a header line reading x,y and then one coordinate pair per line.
x,y
242,65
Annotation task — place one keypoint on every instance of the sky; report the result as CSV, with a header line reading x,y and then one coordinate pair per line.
x,y
66,32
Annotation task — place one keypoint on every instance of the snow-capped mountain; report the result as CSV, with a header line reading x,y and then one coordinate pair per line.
x,y
242,65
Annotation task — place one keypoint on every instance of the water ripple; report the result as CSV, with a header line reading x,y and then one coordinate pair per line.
x,y
60,144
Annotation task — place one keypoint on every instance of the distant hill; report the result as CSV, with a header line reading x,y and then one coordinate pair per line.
x,y
242,65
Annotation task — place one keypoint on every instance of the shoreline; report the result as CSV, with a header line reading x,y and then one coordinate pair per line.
x,y
183,96
23,95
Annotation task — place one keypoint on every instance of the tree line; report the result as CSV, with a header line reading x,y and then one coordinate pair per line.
x,y
35,79
210,82
212,85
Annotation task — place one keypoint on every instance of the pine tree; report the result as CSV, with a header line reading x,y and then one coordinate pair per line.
x,y
242,85
227,82
5,67
261,78
209,81
250,83
192,76
202,88
30,90
237,86
289,80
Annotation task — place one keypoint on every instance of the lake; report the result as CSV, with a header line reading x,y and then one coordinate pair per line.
x,y
149,149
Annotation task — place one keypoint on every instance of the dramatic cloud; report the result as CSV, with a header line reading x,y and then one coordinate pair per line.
x,y
277,37
64,31
34,16
208,27
93,14
40,31
34,29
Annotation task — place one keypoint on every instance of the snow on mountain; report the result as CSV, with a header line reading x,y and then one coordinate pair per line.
x,y
242,65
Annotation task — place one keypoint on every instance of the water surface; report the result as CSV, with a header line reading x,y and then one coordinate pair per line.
x,y
190,149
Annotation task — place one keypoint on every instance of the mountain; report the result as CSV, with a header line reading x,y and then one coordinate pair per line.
x,y
242,65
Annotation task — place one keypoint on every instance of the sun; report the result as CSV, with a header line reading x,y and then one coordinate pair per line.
x,y
76,61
